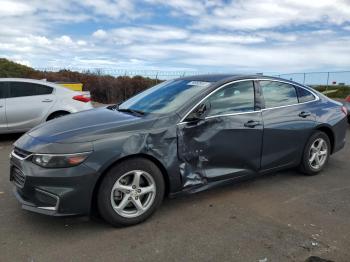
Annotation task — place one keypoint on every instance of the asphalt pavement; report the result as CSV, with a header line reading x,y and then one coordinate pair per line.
x,y
279,217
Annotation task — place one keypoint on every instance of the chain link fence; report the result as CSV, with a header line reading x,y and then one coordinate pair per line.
x,y
154,74
106,89
341,78
333,84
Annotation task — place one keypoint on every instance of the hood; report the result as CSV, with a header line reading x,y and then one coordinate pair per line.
x,y
88,126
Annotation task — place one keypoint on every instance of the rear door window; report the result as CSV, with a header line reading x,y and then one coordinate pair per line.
x,y
278,94
21,89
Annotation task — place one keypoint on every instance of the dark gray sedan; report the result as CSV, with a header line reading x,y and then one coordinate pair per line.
x,y
182,136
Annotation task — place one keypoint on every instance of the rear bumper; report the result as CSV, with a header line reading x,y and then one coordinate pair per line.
x,y
54,192
340,130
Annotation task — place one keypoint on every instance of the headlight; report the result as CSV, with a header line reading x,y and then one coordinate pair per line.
x,y
59,160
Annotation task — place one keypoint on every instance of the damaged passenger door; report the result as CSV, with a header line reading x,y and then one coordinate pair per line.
x,y
222,137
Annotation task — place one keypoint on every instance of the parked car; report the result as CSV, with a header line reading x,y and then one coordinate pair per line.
x,y
25,103
181,136
347,105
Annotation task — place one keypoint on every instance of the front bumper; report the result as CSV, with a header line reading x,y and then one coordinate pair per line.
x,y
55,192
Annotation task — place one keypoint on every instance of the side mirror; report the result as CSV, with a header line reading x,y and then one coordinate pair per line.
x,y
199,113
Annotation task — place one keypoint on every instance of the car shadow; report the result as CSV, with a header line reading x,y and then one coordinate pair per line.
x,y
78,224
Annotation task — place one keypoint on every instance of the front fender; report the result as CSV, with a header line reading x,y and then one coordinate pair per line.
x,y
159,146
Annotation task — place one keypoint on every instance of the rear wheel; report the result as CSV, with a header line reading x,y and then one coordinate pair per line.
x,y
316,153
130,192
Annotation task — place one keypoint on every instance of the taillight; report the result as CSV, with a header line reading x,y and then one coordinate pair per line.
x,y
347,99
82,98
344,110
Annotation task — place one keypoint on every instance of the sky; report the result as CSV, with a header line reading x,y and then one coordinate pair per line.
x,y
279,36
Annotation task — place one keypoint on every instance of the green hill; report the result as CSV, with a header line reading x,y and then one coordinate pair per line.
x,y
12,69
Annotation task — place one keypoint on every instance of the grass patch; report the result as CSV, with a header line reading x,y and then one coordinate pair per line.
x,y
334,91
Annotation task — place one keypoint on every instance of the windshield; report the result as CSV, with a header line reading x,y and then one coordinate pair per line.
x,y
165,97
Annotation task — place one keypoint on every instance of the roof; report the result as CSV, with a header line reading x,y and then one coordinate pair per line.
x,y
208,77
69,82
224,77
35,81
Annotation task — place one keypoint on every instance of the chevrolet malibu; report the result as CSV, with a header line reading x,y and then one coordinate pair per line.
x,y
181,136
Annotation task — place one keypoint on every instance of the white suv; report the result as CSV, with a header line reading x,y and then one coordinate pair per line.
x,y
25,103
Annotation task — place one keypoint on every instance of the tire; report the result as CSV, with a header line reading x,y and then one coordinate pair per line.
x,y
119,195
308,163
57,115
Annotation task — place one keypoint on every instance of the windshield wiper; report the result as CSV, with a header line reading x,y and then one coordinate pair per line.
x,y
113,107
127,110
132,111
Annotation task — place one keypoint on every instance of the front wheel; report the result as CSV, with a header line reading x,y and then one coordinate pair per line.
x,y
316,154
130,192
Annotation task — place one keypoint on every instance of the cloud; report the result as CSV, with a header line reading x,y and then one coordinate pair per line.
x,y
251,58
65,40
69,10
11,8
209,35
188,7
150,33
267,14
226,39
100,34
112,9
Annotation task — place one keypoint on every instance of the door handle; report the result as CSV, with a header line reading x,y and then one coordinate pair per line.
x,y
252,123
47,100
304,114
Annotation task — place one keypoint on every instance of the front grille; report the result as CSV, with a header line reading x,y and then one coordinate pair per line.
x,y
20,152
17,177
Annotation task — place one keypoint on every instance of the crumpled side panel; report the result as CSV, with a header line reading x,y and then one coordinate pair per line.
x,y
134,143
160,142
192,145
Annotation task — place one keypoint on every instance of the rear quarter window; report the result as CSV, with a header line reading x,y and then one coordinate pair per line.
x,y
305,95
43,90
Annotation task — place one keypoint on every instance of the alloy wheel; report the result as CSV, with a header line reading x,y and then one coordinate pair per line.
x,y
318,153
133,193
